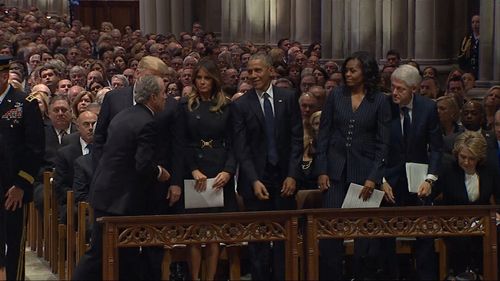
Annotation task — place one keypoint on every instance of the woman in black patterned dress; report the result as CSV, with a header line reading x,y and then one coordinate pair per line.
x,y
204,127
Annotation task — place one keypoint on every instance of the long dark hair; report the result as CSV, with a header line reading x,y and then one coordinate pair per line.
x,y
217,96
369,68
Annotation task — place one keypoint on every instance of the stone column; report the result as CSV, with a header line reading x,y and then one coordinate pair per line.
x,y
208,13
232,26
162,13
410,48
487,40
305,25
147,12
180,16
425,29
394,26
363,28
280,20
496,44
256,16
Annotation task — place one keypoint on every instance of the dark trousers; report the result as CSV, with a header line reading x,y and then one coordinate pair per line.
x,y
465,253
90,265
268,263
15,234
425,255
332,250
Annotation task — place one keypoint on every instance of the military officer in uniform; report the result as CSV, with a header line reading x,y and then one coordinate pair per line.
x,y
21,128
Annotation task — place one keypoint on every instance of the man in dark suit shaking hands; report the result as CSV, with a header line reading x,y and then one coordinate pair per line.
x,y
126,172
268,145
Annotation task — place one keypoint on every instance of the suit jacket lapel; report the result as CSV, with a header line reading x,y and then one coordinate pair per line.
x,y
278,103
255,106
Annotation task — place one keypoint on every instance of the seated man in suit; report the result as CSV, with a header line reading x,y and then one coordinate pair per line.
x,y
55,137
78,144
127,170
82,178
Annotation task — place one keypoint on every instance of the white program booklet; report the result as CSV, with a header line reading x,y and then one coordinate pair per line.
x,y
352,199
209,198
415,174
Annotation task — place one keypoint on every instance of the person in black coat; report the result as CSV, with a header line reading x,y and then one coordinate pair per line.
x,y
352,145
78,144
83,173
205,130
21,127
119,99
468,178
125,174
268,144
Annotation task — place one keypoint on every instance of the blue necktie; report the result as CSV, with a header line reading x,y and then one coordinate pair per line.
x,y
272,153
89,147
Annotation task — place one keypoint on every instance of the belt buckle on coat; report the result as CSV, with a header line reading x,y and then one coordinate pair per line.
x,y
208,144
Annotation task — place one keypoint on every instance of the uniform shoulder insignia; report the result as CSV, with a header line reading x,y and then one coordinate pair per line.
x,y
30,98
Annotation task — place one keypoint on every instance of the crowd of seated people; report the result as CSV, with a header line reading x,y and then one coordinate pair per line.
x,y
79,76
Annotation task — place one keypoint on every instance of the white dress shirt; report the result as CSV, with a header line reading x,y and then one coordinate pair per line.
x,y
472,186
260,95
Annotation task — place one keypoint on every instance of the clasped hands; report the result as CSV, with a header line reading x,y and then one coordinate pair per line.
x,y
221,180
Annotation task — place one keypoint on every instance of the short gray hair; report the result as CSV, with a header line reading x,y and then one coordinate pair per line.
x,y
408,74
145,87
121,77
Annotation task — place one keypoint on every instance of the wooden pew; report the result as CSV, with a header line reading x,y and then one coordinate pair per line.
x,y
180,229
70,234
84,212
53,229
47,186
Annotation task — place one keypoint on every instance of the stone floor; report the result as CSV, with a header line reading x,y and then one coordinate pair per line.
x,y
37,268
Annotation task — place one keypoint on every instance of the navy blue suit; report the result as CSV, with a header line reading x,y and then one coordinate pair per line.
x,y
250,146
424,146
352,147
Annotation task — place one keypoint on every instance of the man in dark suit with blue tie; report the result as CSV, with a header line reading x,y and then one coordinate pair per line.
x,y
263,118
415,138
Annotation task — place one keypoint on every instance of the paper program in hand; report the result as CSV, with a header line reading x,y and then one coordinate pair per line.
x,y
209,198
415,174
352,199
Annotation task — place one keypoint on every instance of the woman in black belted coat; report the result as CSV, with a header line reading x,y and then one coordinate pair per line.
x,y
204,128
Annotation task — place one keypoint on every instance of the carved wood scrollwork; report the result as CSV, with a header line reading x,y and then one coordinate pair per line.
x,y
407,226
147,235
